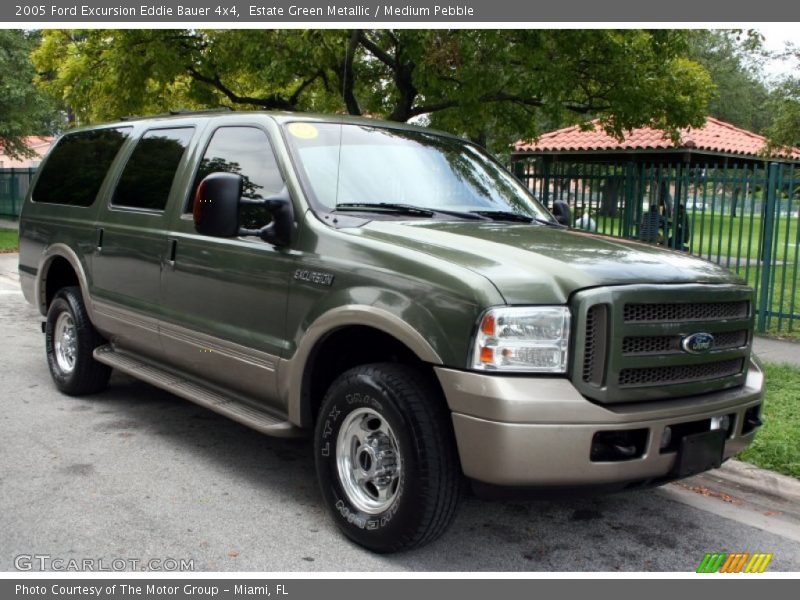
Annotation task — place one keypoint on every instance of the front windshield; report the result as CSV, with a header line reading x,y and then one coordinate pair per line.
x,y
375,166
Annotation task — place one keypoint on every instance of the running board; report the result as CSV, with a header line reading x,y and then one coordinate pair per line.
x,y
204,396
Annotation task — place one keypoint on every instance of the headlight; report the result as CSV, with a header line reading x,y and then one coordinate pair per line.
x,y
533,339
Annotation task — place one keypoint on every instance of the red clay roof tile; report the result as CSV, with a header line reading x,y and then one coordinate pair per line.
x,y
714,136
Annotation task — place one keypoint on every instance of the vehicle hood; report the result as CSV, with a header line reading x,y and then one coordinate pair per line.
x,y
531,263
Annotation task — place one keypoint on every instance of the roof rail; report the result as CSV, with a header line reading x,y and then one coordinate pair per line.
x,y
181,111
185,111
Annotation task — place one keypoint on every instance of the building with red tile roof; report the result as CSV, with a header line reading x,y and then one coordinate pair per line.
x,y
716,138
39,145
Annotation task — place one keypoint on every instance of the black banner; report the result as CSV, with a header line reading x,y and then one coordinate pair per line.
x,y
443,13
385,589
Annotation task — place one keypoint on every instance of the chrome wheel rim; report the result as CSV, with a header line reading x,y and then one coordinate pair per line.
x,y
65,338
369,461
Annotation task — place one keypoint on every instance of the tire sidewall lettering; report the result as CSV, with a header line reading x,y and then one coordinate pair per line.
x,y
330,430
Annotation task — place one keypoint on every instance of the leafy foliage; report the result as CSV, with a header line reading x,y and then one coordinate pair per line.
x,y
733,60
490,85
784,106
24,110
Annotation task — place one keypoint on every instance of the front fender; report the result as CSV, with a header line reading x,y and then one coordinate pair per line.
x,y
403,318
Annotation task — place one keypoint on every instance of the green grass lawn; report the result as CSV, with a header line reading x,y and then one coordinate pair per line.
x,y
777,444
9,240
714,235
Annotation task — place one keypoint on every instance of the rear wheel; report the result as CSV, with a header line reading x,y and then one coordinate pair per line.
x,y
386,458
70,340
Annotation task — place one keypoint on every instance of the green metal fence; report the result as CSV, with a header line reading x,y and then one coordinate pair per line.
x,y
14,184
744,217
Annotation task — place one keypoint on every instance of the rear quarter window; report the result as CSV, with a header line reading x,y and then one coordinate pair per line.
x,y
150,172
77,166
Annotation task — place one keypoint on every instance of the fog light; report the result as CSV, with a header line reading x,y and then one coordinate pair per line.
x,y
614,446
666,438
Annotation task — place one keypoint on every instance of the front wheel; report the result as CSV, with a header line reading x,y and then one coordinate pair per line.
x,y
386,458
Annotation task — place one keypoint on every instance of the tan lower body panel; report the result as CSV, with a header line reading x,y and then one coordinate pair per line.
x,y
219,362
558,455
528,431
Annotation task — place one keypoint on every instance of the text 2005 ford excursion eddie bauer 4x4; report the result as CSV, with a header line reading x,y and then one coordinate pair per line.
x,y
395,291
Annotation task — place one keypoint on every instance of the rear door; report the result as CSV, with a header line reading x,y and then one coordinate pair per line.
x,y
131,240
224,299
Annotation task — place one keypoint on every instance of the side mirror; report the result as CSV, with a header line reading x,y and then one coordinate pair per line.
x,y
216,205
279,231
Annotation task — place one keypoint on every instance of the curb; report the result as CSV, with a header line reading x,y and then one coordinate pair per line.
x,y
749,477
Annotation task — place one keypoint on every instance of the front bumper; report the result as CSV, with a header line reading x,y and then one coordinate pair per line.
x,y
538,431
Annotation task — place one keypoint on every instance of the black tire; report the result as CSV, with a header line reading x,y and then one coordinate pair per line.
x,y
428,484
86,376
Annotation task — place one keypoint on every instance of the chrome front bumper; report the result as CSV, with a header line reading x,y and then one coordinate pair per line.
x,y
538,431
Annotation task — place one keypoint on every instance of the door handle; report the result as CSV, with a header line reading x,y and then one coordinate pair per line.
x,y
173,248
99,239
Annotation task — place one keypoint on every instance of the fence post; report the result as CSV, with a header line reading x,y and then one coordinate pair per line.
x,y
546,183
767,233
518,169
628,208
14,187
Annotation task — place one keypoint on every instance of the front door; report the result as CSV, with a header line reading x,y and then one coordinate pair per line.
x,y
224,299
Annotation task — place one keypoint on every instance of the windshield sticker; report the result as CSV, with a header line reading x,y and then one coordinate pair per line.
x,y
303,131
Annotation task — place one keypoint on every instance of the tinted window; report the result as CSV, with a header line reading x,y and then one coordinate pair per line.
x,y
76,167
246,151
148,176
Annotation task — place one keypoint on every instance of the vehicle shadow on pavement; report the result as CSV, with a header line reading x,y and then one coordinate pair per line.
x,y
640,530
136,471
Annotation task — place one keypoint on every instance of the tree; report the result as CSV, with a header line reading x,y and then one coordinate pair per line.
x,y
733,60
784,106
24,110
493,86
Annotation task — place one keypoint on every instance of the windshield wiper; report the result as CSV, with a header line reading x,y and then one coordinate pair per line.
x,y
404,209
408,209
507,215
504,215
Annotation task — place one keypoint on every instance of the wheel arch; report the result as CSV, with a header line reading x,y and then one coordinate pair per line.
x,y
54,273
332,331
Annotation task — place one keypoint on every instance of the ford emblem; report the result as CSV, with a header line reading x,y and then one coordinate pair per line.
x,y
698,343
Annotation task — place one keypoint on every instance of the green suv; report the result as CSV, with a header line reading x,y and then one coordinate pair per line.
x,y
394,292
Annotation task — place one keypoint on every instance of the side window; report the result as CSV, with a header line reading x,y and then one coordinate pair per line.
x,y
77,166
150,171
246,151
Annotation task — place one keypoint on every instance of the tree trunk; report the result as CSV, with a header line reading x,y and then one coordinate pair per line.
x,y
609,197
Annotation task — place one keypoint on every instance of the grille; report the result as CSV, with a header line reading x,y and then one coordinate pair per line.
x,y
671,344
686,311
629,341
596,332
651,344
680,374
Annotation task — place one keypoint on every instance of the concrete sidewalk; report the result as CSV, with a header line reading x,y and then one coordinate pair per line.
x,y
9,265
9,224
777,351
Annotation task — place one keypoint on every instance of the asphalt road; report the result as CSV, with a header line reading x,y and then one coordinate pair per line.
x,y
135,472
